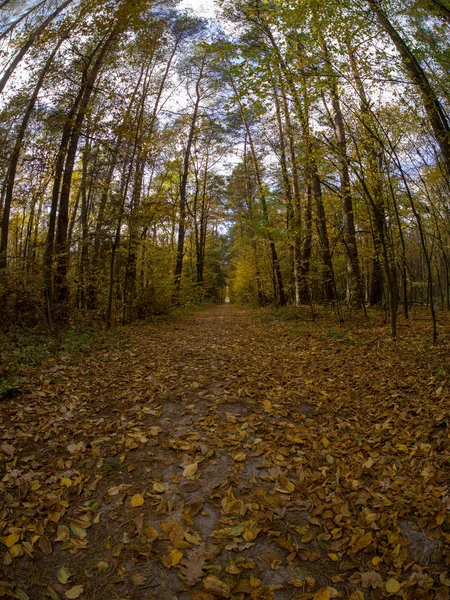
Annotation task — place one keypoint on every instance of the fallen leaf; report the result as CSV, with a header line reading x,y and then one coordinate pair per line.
x,y
75,592
173,558
63,575
217,587
12,539
392,586
190,471
239,457
322,594
371,579
137,500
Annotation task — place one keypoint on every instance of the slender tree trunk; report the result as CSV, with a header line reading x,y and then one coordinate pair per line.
x,y
382,268
321,224
94,271
15,155
403,263
302,234
182,207
273,251
435,112
33,37
248,188
49,251
23,16
354,290
62,251
287,187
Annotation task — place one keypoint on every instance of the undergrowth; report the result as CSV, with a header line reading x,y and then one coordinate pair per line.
x,y
23,349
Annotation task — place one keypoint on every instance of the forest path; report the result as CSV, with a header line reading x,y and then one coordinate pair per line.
x,y
230,454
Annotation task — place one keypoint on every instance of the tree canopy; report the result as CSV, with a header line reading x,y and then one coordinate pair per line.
x,y
294,153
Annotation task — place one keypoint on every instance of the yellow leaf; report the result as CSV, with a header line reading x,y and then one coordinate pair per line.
x,y
151,533
75,592
35,485
137,500
158,487
267,406
66,482
239,457
173,558
333,557
355,595
392,586
11,539
16,550
322,594
192,539
190,471
376,560
363,542
440,518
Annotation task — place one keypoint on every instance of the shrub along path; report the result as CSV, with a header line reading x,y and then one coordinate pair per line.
x,y
231,454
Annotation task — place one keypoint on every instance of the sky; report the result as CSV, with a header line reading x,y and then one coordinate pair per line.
x,y
204,8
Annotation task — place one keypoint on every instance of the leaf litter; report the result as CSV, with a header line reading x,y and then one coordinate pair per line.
x,y
228,456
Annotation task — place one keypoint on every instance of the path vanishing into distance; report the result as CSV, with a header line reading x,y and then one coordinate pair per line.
x,y
230,454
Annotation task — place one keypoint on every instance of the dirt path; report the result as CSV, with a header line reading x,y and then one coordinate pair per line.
x,y
228,456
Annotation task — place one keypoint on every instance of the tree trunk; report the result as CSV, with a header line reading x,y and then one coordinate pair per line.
x,y
33,37
273,251
433,108
182,206
354,290
23,16
61,249
15,155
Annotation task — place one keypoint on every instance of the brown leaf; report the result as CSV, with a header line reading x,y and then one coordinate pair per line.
x,y
217,587
371,579
191,568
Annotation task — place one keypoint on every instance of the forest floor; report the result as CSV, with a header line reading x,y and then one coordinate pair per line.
x,y
231,454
